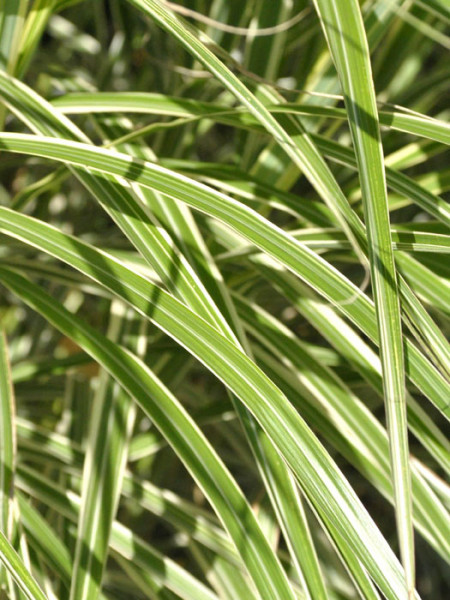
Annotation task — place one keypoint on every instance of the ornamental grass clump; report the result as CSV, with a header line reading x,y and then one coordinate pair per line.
x,y
224,300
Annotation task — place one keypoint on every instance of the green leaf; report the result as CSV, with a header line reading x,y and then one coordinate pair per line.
x,y
277,479
304,263
18,571
11,22
7,441
161,104
182,434
344,30
113,415
309,469
124,543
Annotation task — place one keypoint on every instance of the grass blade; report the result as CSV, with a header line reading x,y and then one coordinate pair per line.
x,y
304,263
7,441
186,439
344,29
212,357
18,571
7,451
113,418
222,185
123,542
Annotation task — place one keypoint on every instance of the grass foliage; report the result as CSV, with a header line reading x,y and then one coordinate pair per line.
x,y
224,300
